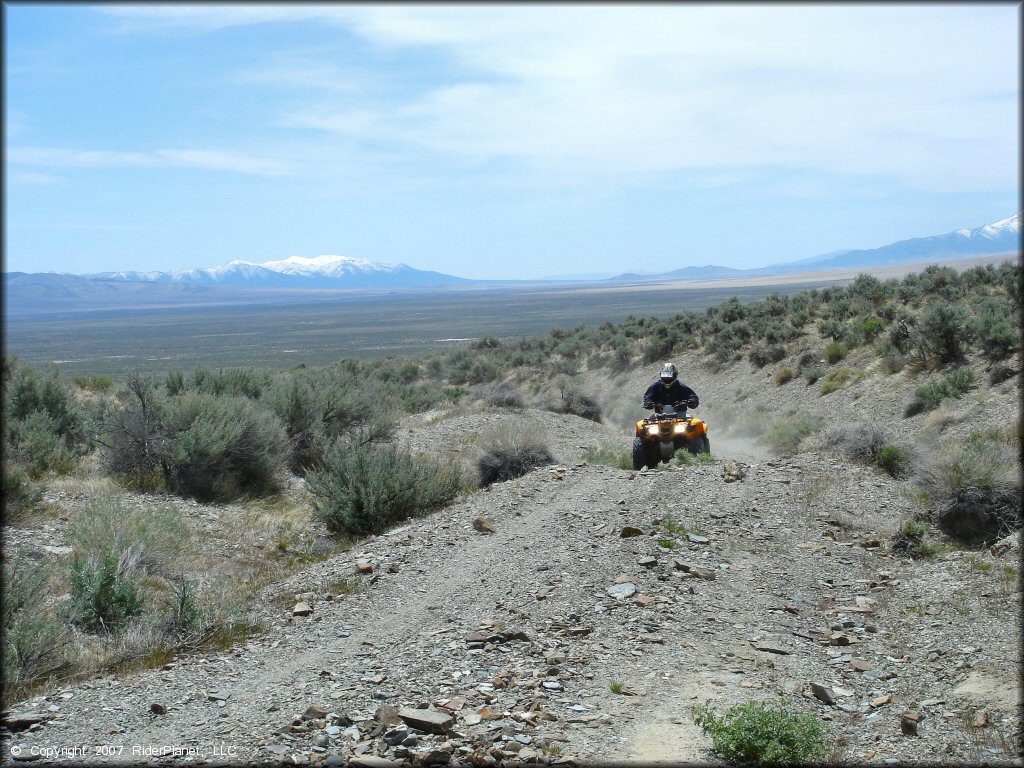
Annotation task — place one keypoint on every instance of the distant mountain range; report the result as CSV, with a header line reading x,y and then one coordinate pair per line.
x,y
295,272
1001,237
289,279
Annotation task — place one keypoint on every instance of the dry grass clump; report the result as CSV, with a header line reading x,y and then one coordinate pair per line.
x,y
869,444
509,452
783,375
976,484
505,395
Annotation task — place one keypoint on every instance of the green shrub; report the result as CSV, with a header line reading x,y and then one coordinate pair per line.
x,y
224,448
929,396
764,734
836,380
98,383
834,352
762,356
870,328
785,434
894,460
976,485
811,375
20,494
508,452
33,637
943,330
105,591
505,396
319,407
609,456
40,448
364,489
782,375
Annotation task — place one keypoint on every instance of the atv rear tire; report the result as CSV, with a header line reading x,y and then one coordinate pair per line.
x,y
699,444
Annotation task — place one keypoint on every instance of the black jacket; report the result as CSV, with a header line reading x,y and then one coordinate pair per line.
x,y
677,392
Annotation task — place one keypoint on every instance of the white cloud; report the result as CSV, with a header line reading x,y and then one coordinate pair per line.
x,y
192,158
911,93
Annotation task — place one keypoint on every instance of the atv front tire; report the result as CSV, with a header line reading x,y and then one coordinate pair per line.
x,y
639,454
699,444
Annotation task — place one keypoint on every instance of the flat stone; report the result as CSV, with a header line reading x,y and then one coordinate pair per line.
x,y
860,665
24,720
218,696
157,708
314,713
881,701
647,562
769,646
629,531
372,761
301,609
364,567
622,591
428,720
823,693
697,539
695,571
484,525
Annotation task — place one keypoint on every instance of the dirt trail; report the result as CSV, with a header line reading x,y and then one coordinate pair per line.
x,y
787,565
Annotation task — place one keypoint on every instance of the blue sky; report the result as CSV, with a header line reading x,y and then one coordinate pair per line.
x,y
501,141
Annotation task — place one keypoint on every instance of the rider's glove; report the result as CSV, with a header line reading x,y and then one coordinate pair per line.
x,y
648,405
692,401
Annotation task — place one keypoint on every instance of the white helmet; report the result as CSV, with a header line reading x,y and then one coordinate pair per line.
x,y
668,374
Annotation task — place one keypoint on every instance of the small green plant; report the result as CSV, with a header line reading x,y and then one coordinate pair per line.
x,y
913,529
811,375
977,564
667,543
683,456
894,460
105,592
927,397
836,380
928,549
834,352
616,687
763,734
609,456
673,527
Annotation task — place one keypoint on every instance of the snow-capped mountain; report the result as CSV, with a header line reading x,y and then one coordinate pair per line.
x,y
1001,237
295,272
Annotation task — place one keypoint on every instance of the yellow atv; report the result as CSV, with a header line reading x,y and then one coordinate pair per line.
x,y
658,437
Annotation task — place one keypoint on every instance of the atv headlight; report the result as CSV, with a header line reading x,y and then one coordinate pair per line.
x,y
680,429
652,429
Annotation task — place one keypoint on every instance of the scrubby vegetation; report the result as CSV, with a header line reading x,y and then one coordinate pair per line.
x,y
763,734
507,453
363,489
975,484
244,434
869,444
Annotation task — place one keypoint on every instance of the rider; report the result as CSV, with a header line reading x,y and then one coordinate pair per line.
x,y
668,390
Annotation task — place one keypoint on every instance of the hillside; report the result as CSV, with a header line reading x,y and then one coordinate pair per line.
x,y
784,569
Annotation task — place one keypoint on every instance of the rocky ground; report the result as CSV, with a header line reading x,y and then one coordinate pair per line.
x,y
575,615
